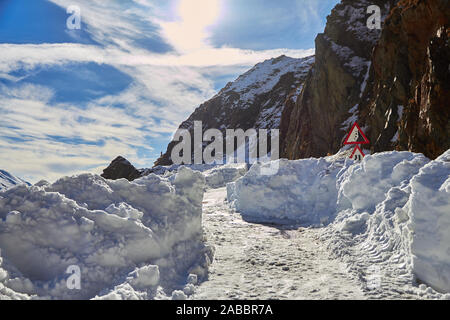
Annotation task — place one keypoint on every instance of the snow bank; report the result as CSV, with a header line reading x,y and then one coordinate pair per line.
x,y
303,191
122,235
217,176
387,217
429,209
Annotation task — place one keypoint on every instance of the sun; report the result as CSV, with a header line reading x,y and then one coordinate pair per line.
x,y
199,13
190,32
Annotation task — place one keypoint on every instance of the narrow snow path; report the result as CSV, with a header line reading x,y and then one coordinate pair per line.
x,y
254,261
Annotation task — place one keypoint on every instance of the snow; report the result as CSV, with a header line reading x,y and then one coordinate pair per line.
x,y
303,191
429,209
262,81
219,177
216,176
351,120
127,238
326,228
259,262
391,210
264,76
366,77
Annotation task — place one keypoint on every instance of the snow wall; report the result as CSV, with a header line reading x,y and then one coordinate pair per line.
x,y
129,239
392,209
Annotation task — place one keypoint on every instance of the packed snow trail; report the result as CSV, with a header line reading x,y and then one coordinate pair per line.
x,y
254,261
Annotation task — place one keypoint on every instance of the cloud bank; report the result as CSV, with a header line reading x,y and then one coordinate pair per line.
x,y
166,65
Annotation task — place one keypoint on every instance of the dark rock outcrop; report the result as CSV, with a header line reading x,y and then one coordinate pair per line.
x,y
121,168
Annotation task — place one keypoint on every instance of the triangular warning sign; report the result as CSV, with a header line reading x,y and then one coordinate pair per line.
x,y
356,136
357,154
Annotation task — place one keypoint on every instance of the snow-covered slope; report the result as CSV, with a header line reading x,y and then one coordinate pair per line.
x,y
256,99
129,239
7,180
391,211
262,79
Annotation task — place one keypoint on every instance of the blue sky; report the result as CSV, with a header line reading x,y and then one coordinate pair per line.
x,y
72,100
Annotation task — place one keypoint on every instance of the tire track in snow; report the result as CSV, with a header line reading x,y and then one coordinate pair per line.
x,y
254,261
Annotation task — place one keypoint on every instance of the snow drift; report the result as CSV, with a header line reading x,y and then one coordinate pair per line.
x,y
392,210
302,191
429,209
127,238
216,176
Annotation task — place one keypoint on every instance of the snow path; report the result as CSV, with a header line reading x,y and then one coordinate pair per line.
x,y
254,261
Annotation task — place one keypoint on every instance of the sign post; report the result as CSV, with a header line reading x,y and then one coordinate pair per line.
x,y
356,137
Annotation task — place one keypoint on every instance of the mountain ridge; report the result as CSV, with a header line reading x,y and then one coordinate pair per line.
x,y
255,99
7,180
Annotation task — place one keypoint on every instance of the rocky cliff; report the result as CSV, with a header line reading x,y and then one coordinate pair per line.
x,y
328,104
394,81
255,100
407,106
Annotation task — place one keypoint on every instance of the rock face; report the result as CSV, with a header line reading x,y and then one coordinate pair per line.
x,y
408,106
327,106
255,100
121,168
394,82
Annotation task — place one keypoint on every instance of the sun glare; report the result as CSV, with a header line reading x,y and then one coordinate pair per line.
x,y
199,13
190,33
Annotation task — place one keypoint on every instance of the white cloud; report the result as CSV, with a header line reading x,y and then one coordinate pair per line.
x,y
166,88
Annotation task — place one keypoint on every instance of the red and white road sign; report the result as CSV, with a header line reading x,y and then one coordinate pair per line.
x,y
357,154
356,136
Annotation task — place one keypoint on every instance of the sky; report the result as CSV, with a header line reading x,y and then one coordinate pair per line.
x,y
71,100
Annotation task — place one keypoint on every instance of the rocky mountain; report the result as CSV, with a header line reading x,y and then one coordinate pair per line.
x,y
255,100
7,180
394,81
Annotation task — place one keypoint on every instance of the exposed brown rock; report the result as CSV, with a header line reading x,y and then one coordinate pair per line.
x,y
411,70
315,126
404,104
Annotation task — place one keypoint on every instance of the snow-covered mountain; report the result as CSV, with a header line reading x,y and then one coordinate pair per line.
x,y
256,99
7,180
